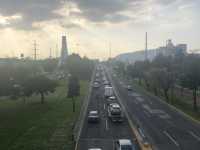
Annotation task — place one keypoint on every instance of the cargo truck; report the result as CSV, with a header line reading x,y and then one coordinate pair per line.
x,y
108,91
115,113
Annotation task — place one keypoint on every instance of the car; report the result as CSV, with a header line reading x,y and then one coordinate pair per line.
x,y
94,149
108,91
111,99
124,144
106,82
93,116
96,84
129,88
97,75
97,79
104,79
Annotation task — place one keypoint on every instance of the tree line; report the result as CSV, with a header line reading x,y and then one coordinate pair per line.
x,y
21,79
165,73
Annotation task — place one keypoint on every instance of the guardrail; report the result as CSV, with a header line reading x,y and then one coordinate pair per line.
x,y
83,112
140,136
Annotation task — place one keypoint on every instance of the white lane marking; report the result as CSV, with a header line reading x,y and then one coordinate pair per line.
x,y
106,124
139,99
147,113
165,116
104,106
194,135
171,138
162,114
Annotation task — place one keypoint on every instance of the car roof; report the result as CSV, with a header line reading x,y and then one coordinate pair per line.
x,y
93,112
125,142
108,87
115,105
112,97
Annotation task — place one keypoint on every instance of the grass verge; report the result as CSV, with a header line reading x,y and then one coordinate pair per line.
x,y
36,126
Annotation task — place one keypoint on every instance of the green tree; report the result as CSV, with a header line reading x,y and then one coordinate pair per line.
x,y
152,76
120,69
191,76
39,84
141,68
79,67
73,90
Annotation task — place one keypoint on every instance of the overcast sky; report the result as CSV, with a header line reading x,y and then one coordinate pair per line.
x,y
90,25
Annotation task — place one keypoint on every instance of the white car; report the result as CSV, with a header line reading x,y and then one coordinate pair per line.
x,y
94,149
93,116
129,88
124,144
111,99
96,84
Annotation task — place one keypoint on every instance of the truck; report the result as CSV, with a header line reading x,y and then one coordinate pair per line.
x,y
108,91
115,113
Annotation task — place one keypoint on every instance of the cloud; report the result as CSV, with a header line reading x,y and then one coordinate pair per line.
x,y
95,11
102,10
30,10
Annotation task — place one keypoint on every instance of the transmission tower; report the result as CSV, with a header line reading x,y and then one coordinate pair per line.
x,y
35,50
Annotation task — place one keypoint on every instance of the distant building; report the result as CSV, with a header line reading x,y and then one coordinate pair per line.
x,y
64,52
171,50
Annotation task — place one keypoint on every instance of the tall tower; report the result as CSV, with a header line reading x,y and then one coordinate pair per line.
x,y
64,52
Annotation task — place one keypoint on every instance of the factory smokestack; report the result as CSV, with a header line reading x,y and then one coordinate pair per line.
x,y
64,52
146,47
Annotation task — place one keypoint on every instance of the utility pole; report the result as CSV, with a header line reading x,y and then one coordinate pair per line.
x,y
50,53
109,50
35,50
56,50
146,47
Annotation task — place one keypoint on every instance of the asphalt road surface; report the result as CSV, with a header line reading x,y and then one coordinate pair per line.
x,y
167,128
103,134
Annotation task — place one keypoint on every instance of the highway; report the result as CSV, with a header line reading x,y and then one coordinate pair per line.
x,y
166,128
103,134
